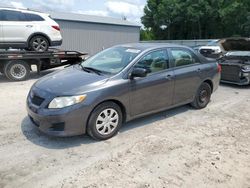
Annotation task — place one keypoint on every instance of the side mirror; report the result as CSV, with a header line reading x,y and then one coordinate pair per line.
x,y
138,72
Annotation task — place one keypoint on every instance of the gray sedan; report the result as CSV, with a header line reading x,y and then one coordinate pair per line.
x,y
120,84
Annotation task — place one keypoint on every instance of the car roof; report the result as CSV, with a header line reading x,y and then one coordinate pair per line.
x,y
146,46
23,10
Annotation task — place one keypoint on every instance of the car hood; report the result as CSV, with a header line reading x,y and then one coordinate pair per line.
x,y
230,44
235,44
71,81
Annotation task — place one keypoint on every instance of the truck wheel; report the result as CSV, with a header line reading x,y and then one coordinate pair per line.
x,y
39,44
1,70
17,70
203,96
105,121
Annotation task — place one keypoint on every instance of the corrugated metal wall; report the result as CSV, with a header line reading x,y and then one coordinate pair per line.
x,y
92,38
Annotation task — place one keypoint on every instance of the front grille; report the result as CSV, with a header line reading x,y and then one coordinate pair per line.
x,y
206,51
37,100
57,126
231,73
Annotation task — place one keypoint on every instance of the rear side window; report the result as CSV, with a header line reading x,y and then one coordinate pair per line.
x,y
183,57
9,15
33,17
1,17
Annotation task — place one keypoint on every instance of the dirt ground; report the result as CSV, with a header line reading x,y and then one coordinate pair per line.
x,y
182,147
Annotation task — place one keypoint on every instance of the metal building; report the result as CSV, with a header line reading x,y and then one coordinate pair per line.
x,y
93,33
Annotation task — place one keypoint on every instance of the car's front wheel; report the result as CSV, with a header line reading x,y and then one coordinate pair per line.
x,y
105,121
203,96
39,44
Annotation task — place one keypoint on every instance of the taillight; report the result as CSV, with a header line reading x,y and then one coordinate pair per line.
x,y
56,27
219,67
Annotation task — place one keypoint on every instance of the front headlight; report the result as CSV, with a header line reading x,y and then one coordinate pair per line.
x,y
61,102
246,68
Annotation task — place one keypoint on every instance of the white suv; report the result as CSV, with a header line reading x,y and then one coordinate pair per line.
x,y
28,29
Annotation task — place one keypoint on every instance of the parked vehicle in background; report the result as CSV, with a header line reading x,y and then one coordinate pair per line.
x,y
211,50
217,48
27,29
236,67
120,84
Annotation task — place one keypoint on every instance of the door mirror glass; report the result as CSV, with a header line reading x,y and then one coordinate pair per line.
x,y
138,72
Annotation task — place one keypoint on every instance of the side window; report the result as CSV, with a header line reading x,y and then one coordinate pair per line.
x,y
33,17
1,16
183,57
154,62
9,15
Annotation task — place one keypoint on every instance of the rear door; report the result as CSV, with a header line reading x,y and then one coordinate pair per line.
x,y
155,91
15,26
187,71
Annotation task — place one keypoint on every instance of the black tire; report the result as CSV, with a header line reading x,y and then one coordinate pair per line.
x,y
1,70
98,112
203,96
17,70
39,44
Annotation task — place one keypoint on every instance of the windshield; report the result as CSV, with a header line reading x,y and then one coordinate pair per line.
x,y
213,43
112,60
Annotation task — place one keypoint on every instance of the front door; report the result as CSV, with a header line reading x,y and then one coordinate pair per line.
x,y
155,91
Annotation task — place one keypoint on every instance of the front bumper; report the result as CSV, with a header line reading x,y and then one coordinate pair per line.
x,y
69,124
234,74
242,82
69,121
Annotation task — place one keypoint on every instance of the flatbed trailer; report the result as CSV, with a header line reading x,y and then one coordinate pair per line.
x,y
16,65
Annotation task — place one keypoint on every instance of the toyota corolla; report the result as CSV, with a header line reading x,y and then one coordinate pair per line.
x,y
120,84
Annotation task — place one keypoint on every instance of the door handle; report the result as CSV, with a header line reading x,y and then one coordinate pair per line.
x,y
29,26
169,77
198,70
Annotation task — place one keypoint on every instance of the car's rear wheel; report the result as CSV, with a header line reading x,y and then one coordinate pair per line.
x,y
39,44
17,70
203,96
105,121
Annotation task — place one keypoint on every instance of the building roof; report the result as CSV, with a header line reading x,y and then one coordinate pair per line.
x,y
91,19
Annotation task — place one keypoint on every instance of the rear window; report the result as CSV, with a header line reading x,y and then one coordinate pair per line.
x,y
33,17
9,15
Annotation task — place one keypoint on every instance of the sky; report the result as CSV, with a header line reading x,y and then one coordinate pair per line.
x,y
131,9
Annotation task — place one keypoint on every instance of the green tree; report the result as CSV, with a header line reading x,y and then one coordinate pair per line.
x,y
197,19
146,34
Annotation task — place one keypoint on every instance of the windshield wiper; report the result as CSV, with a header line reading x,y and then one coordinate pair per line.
x,y
83,68
91,69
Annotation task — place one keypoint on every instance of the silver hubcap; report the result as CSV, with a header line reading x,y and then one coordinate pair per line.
x,y
18,71
107,121
39,44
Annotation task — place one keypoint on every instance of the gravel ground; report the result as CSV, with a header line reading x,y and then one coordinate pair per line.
x,y
182,147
